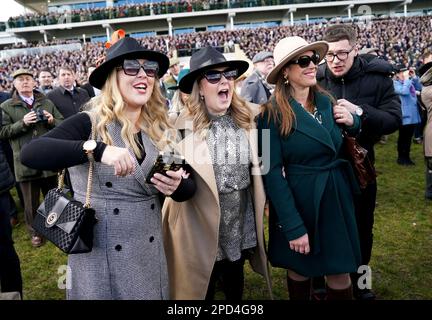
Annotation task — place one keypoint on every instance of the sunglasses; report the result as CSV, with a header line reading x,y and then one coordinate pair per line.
x,y
132,67
214,76
304,61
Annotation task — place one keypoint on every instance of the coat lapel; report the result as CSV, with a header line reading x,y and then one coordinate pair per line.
x,y
195,150
114,128
306,124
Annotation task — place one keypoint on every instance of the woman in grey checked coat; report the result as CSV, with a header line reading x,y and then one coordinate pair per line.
x,y
128,259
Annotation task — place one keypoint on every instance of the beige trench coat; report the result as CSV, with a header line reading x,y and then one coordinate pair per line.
x,y
426,96
191,227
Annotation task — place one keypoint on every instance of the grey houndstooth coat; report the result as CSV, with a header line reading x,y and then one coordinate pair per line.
x,y
128,258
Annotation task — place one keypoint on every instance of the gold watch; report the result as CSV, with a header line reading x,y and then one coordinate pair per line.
x,y
89,147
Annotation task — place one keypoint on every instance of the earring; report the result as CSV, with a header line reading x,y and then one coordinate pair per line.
x,y
286,80
202,98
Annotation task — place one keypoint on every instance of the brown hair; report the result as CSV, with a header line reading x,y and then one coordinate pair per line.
x,y
283,113
66,68
338,32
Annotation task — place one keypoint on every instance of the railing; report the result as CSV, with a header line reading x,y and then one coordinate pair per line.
x,y
137,10
6,54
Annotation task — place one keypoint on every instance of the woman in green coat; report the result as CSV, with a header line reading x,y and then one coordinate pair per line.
x,y
312,228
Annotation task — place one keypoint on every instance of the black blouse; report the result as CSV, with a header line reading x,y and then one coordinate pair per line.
x,y
62,147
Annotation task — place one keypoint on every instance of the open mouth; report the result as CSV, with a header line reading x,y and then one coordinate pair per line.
x,y
223,94
140,86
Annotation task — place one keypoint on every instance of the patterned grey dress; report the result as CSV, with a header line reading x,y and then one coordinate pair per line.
x,y
128,259
230,153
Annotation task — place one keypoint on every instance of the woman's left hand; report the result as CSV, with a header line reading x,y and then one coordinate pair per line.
x,y
167,185
343,116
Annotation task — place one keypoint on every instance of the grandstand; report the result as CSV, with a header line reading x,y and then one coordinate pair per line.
x,y
72,32
94,20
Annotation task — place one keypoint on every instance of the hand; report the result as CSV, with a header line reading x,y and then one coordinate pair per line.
x,y
49,116
411,73
348,105
167,185
120,158
300,245
29,118
342,115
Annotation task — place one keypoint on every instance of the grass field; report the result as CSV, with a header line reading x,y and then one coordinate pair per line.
x,y
402,256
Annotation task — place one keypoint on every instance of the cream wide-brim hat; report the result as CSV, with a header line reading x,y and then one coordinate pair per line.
x,y
290,47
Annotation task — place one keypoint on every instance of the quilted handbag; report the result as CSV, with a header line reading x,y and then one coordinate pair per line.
x,y
65,222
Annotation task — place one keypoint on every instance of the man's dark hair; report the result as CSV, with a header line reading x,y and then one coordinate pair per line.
x,y
45,70
338,32
66,68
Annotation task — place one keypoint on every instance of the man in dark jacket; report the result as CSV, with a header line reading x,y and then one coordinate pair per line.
x,y
366,89
255,88
67,98
9,206
10,271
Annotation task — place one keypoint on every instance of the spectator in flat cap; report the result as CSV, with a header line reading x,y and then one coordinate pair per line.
x,y
27,115
255,88
172,80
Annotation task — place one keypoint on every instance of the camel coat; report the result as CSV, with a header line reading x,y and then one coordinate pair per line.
x,y
191,228
426,96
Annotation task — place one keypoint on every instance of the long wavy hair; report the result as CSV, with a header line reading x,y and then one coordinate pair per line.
x,y
197,109
283,113
109,106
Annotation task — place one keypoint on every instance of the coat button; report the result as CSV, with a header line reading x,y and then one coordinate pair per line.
x,y
152,206
108,184
279,226
116,211
151,239
118,247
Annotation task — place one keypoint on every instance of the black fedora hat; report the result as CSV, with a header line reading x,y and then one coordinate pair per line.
x,y
205,59
126,48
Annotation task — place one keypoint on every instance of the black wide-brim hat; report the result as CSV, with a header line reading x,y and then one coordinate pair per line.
x,y
205,59
126,48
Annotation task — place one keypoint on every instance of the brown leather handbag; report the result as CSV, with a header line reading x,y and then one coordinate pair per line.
x,y
360,162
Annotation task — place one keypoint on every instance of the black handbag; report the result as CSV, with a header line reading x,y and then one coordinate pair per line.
x,y
67,223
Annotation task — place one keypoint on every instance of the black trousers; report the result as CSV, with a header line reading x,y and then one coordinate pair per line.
x,y
10,270
428,191
31,191
406,133
231,277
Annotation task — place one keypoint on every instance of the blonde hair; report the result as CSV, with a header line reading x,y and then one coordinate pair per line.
x,y
283,112
109,106
196,108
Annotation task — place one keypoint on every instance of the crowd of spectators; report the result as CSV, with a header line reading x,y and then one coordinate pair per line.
x,y
400,40
136,10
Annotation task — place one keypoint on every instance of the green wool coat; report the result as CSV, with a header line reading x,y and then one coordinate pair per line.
x,y
316,194
14,129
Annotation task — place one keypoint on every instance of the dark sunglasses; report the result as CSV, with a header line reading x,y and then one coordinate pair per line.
x,y
304,61
132,67
214,76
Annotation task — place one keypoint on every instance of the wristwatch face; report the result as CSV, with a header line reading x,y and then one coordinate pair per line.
x,y
359,111
89,145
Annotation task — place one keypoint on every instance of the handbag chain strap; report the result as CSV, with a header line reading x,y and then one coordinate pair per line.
x,y
62,173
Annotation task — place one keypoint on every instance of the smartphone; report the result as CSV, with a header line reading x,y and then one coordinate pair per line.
x,y
165,162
